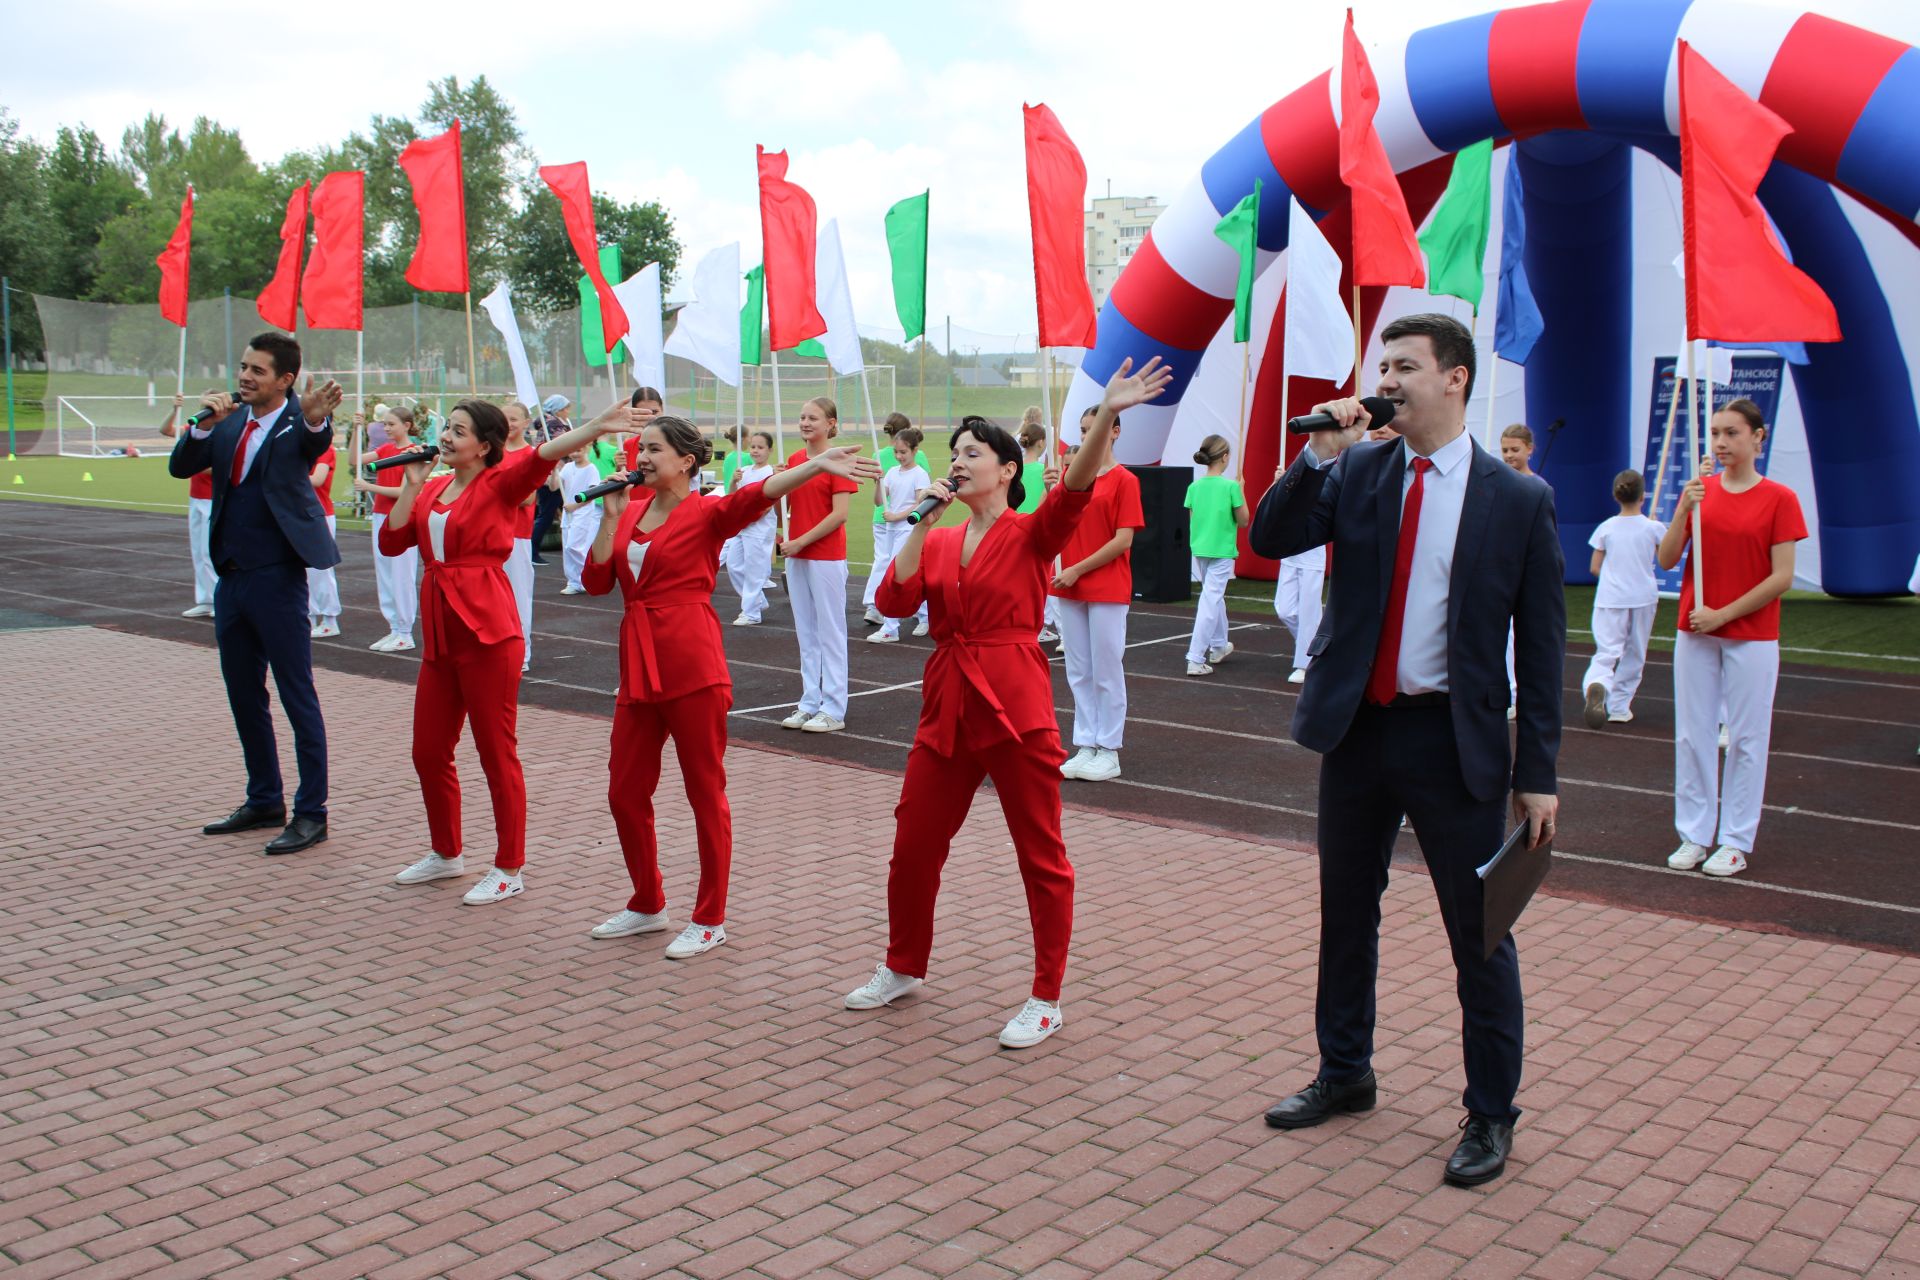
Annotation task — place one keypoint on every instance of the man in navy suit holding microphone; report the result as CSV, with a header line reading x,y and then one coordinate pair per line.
x,y
267,530
1436,546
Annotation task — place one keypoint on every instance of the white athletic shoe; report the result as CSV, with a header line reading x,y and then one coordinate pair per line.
x,y
883,636
432,867
921,628
882,989
1104,767
1036,1020
384,644
1081,758
327,627
1724,739
797,719
1049,636
628,923
874,618
400,644
1199,669
744,621
1220,654
1688,856
696,938
1596,708
821,722
1297,676
573,589
198,611
495,886
1726,861
1621,717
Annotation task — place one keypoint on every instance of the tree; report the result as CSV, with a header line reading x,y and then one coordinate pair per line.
x,y
28,232
546,274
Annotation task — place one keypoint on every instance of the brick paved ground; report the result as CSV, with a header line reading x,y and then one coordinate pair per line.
x,y
217,1063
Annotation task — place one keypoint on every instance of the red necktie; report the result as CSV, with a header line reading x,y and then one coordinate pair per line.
x,y
240,454
1386,658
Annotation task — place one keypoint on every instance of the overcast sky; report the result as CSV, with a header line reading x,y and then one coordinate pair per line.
x,y
666,101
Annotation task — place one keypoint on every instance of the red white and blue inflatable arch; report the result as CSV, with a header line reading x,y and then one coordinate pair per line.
x,y
1585,91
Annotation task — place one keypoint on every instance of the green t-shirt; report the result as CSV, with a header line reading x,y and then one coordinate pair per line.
x,y
1213,499
604,456
1032,484
727,468
919,460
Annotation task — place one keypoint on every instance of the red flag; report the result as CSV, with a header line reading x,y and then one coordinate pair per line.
x,y
1056,194
276,302
330,289
1740,286
439,194
786,249
1384,248
173,266
569,183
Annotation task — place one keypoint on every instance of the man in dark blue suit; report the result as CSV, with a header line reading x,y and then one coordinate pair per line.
x,y
1437,545
267,531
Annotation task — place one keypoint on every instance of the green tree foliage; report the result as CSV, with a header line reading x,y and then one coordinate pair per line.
x,y
28,233
546,274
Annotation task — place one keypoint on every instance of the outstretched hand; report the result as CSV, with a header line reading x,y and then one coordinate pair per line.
x,y
846,461
318,403
1125,389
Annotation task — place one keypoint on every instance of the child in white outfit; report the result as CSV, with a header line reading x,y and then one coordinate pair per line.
x,y
579,521
1623,557
900,490
748,555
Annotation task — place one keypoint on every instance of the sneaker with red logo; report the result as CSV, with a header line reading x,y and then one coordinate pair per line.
x,y
696,938
1037,1020
495,886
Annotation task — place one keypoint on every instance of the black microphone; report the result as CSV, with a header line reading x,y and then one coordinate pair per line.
x,y
425,453
612,484
204,414
929,504
1379,410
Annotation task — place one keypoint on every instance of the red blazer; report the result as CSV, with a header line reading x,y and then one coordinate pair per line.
x,y
470,583
987,677
670,635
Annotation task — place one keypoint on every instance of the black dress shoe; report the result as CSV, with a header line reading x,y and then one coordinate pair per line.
x,y
301,833
1482,1153
1321,1099
245,818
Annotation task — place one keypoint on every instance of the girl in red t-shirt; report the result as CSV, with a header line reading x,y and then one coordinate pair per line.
x,y
395,577
1727,651
1095,589
816,556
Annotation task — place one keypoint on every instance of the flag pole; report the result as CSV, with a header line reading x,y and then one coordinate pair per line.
x,y
920,410
873,429
1693,429
1240,450
779,446
1046,401
180,383
1666,444
473,366
1359,342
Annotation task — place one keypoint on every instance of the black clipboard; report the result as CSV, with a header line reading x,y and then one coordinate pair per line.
x,y
1507,883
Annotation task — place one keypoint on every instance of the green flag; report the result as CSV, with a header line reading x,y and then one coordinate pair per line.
x,y
907,246
752,348
1241,230
1456,240
812,349
593,340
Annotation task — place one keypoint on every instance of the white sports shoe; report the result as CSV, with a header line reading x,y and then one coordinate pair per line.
x,y
1726,861
400,644
1036,1020
1724,738
1104,767
495,886
384,644
1220,654
1049,636
1688,856
1199,669
573,589
198,611
432,867
1297,676
797,719
326,627
1621,717
882,989
821,722
696,938
1081,758
744,621
921,628
628,923
874,618
883,636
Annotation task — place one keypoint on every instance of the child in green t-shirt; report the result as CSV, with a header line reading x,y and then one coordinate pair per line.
x,y
1219,513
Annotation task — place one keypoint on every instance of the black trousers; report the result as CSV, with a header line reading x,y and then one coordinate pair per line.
x,y
1396,761
547,504
260,622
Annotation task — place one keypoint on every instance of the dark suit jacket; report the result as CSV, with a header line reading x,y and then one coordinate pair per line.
x,y
1507,564
283,464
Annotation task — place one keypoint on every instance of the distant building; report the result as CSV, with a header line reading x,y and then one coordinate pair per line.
x,y
984,376
1115,227
1026,375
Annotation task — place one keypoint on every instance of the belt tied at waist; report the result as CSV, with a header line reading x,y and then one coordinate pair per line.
x,y
962,647
637,609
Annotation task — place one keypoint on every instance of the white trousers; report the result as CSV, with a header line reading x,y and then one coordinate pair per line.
x,y
398,581
819,592
1709,673
1619,654
1096,647
199,539
887,541
1210,616
323,589
1297,595
519,568
748,557
577,532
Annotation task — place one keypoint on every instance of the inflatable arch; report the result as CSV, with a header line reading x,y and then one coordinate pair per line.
x,y
1577,88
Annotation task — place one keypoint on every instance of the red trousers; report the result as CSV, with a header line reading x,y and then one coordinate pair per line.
x,y
934,799
697,723
480,682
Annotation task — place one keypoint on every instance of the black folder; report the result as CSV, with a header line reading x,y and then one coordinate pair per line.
x,y
1507,882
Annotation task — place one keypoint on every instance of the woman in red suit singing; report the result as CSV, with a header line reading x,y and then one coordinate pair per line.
x,y
463,525
663,548
988,702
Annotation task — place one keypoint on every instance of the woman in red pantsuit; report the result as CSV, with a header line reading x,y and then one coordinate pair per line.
x,y
988,697
463,525
663,548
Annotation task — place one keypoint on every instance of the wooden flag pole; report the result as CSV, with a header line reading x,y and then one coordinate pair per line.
x,y
873,428
1693,428
473,365
1240,451
1666,446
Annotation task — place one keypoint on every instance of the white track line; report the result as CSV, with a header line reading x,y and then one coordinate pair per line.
x,y
1745,883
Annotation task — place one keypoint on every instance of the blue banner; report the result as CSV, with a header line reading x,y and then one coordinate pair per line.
x,y
1756,378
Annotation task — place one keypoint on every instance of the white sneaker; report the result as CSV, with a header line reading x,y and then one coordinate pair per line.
x,y
1724,739
797,719
400,644
1297,676
432,867
198,611
1049,636
628,923
1726,861
1036,1020
696,938
384,644
327,627
874,618
1596,708
1688,856
821,722
1621,717
1081,758
1104,767
573,590
1220,654
921,628
1199,669
495,886
883,989
883,636
744,621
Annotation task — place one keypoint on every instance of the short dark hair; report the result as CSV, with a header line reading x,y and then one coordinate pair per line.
x,y
683,438
1452,344
1004,447
284,351
1629,486
896,422
489,426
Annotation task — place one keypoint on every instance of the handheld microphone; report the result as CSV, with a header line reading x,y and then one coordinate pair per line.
x,y
1379,411
425,453
203,414
928,505
612,484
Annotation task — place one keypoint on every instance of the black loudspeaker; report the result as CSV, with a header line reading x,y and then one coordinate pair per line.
x,y
1162,564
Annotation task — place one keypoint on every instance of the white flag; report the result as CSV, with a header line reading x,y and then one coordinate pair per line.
x,y
707,330
835,300
499,308
1319,327
639,297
